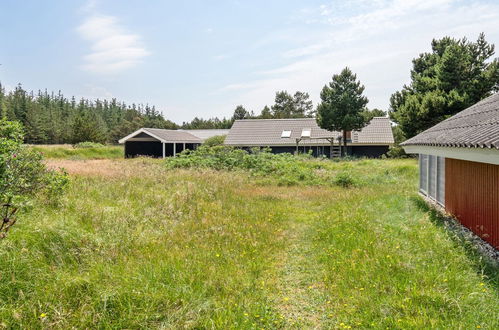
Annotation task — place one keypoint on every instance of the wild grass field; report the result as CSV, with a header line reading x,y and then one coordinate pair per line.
x,y
67,151
138,244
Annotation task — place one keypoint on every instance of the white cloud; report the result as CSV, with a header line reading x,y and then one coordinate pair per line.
x,y
113,49
378,42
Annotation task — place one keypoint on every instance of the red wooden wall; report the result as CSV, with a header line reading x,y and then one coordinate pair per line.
x,y
472,195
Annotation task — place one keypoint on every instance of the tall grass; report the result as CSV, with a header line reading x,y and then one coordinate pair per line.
x,y
65,151
201,248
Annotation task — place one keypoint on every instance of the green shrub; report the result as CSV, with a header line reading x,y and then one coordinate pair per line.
x,y
23,175
286,167
217,140
344,179
396,152
88,145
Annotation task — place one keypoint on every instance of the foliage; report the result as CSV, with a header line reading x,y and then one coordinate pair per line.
x,y
265,113
342,104
286,106
88,144
217,140
23,175
396,151
344,179
68,151
212,123
370,114
240,113
51,118
282,169
455,75
145,247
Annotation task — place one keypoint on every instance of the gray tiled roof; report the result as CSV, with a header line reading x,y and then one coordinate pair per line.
x,y
267,132
474,127
204,134
174,135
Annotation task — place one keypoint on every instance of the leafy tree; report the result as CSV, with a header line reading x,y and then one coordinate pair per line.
x,y
240,113
23,174
370,114
212,123
302,104
265,114
287,106
342,104
217,140
453,76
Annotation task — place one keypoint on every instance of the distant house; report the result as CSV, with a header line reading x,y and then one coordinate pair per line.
x,y
459,166
304,135
156,142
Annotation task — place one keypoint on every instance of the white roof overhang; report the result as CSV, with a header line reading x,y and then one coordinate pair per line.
x,y
142,130
481,155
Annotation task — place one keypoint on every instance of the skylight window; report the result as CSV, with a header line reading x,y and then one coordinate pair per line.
x,y
306,133
286,134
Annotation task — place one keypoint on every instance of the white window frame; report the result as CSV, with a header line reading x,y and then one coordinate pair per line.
x,y
306,133
286,134
433,177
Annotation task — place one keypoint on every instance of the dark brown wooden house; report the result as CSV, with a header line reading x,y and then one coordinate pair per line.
x,y
156,142
459,167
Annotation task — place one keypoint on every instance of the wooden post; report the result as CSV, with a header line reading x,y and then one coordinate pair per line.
x,y
297,141
183,147
163,149
174,149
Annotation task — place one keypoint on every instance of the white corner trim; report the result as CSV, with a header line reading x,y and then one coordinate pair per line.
x,y
481,155
137,132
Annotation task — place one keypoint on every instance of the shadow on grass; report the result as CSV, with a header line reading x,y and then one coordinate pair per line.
x,y
484,257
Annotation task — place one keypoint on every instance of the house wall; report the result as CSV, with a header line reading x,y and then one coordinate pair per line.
x,y
472,196
317,151
153,148
368,151
144,148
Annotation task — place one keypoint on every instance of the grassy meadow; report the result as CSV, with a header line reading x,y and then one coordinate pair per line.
x,y
139,244
67,151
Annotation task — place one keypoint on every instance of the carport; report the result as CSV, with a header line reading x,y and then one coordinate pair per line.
x,y
158,143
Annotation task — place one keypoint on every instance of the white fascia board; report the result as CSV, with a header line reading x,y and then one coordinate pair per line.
x,y
123,140
480,155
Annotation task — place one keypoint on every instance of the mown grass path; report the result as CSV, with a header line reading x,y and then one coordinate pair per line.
x,y
299,297
133,245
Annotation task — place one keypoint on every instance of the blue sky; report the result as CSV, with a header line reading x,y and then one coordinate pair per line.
x,y
203,58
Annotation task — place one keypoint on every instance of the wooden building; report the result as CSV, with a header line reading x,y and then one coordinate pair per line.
x,y
304,135
156,142
459,167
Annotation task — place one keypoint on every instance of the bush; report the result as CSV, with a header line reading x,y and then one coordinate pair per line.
x,y
397,152
82,145
217,140
344,180
288,169
23,175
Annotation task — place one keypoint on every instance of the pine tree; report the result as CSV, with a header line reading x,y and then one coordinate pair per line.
x,y
342,104
453,76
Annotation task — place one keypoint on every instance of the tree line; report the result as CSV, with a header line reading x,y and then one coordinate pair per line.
x,y
50,118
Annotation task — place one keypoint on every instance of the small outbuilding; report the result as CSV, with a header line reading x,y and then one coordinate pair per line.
x,y
156,142
459,167
304,135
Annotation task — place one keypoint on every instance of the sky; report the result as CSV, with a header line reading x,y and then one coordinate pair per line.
x,y
204,57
